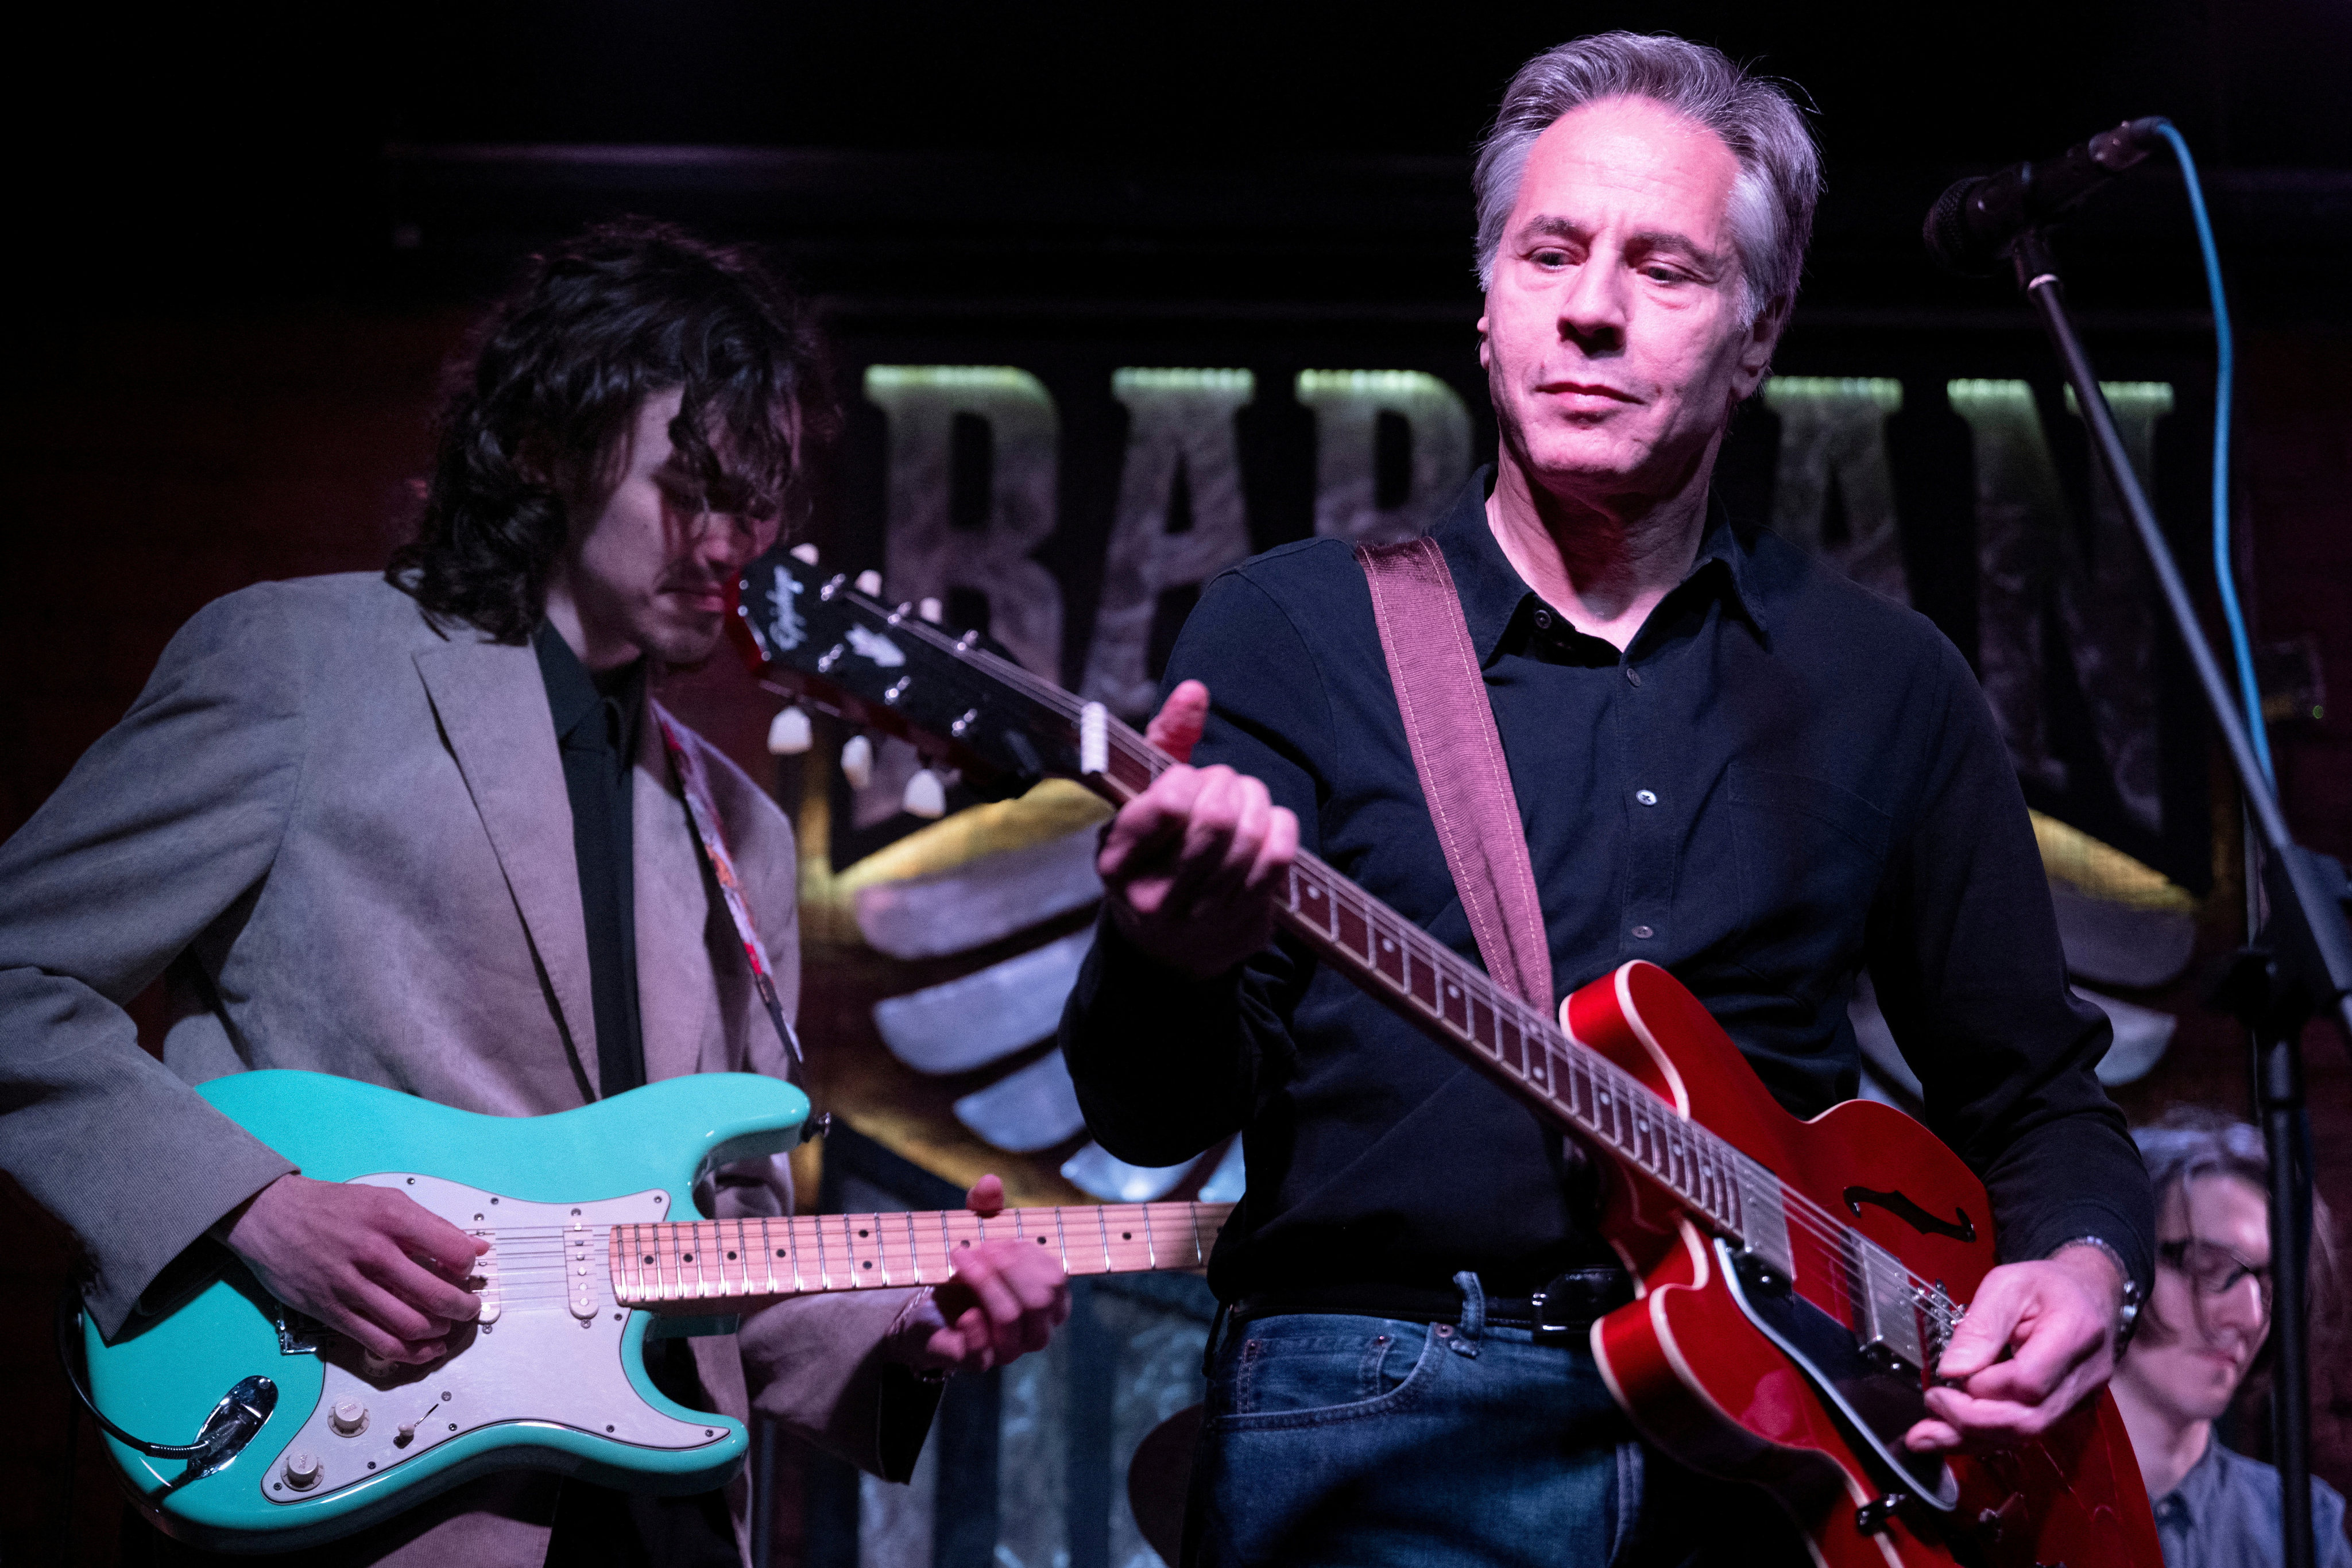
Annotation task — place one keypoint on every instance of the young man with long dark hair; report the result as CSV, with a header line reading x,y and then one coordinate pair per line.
x,y
427,830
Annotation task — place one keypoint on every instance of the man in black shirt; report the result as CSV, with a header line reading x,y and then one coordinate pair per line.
x,y
1728,761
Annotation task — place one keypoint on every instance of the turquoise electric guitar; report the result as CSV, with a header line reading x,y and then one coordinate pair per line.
x,y
277,1434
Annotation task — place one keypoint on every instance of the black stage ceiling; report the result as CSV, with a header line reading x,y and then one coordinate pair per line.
x,y
1064,153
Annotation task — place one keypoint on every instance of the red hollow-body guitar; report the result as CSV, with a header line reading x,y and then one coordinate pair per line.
x,y
1796,1279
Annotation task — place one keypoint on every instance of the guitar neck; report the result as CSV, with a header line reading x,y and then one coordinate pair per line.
x,y
746,1263
1456,1003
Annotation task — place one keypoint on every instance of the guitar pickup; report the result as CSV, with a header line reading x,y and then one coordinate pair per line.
x,y
1886,1314
486,1280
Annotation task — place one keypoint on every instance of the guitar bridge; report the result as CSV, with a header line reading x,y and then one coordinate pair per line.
x,y
1940,1316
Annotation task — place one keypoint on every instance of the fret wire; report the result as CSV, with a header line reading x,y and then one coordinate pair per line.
x,y
859,1267
1102,1223
1150,1242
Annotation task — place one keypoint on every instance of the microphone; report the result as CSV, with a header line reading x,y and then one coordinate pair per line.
x,y
1974,222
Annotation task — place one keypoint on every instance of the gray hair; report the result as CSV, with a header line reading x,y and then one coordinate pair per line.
x,y
1779,178
2189,1142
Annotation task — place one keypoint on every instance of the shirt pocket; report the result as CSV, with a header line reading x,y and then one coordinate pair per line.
x,y
1810,854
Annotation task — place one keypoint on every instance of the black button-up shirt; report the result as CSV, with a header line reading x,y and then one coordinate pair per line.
x,y
1782,779
596,728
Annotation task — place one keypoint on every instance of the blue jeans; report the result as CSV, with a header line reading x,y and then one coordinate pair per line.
x,y
1358,1441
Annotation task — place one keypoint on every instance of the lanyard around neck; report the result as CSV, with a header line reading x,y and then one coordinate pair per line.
x,y
691,784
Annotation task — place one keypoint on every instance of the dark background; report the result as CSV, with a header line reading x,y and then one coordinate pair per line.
x,y
242,247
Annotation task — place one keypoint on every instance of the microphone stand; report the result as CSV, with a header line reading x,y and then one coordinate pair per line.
x,y
2299,965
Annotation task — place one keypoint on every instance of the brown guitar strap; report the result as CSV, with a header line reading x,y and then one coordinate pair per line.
x,y
1450,725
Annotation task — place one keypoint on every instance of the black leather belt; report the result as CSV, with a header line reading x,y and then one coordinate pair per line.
x,y
1569,1305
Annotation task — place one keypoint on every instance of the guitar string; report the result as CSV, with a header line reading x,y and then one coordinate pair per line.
x,y
891,1220
528,1287
519,1269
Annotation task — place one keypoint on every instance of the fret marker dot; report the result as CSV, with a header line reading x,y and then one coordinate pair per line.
x,y
861,1233
1041,1242
779,1251
867,1264
1387,945
649,1257
1453,990
1126,1236
686,1257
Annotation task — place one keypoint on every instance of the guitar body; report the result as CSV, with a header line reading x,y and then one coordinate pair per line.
x,y
1702,1377
553,1378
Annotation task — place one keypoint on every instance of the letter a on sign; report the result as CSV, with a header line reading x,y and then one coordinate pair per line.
x,y
1181,517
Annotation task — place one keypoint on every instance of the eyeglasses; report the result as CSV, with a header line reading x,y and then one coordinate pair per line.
x,y
2213,1268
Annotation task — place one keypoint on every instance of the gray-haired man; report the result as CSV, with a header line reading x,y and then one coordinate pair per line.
x,y
1728,761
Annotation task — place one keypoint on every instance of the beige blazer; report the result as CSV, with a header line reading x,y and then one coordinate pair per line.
x,y
356,828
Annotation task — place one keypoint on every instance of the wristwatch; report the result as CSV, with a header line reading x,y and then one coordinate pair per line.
x,y
2126,1313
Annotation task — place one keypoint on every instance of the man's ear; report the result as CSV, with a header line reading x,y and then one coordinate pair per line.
x,y
1482,363
1756,346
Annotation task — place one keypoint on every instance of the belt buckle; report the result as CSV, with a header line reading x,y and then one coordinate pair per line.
x,y
1542,1301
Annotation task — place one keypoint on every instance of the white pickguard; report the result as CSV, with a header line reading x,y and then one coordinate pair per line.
x,y
547,1350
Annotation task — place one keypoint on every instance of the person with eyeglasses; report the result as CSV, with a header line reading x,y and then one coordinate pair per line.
x,y
2204,1328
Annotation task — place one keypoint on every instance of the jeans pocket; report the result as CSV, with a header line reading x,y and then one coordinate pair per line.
x,y
1311,1368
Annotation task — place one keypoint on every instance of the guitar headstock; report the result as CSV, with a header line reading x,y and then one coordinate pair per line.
x,y
837,645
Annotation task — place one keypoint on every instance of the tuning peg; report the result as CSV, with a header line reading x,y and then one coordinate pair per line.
x,y
926,794
929,610
788,732
857,761
869,583
805,554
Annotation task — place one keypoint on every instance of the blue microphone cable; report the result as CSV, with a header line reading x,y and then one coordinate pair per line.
x,y
2224,372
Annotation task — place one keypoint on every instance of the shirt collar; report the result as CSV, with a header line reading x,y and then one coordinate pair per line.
x,y
576,697
1492,588
2198,1490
